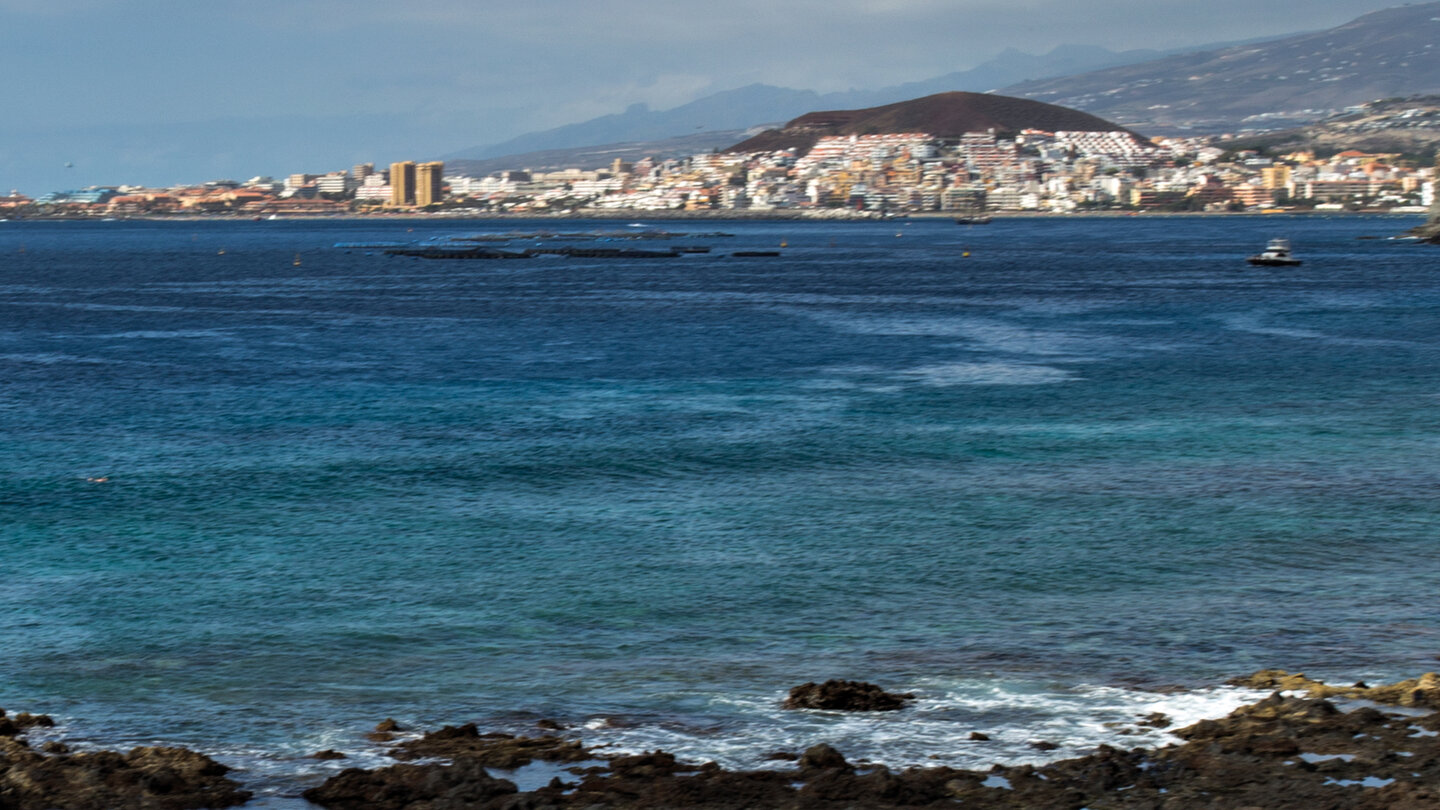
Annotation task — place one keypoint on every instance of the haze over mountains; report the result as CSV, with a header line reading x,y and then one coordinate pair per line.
x,y
1268,83
733,111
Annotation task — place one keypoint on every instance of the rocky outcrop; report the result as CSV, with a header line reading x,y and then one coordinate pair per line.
x,y
845,696
148,778
1286,752
491,750
1430,231
464,784
1423,691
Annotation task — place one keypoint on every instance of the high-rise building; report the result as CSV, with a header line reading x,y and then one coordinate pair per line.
x,y
1274,177
360,171
402,183
429,183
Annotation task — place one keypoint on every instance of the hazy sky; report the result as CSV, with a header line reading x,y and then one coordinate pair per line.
x,y
155,91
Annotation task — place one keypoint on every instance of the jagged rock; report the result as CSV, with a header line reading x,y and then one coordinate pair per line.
x,y
1281,753
463,784
328,753
822,757
979,736
388,724
493,750
1156,720
146,778
1422,692
845,696
25,720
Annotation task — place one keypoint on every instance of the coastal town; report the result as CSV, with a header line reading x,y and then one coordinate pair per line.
x,y
895,174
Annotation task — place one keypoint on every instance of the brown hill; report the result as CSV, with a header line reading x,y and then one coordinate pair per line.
x,y
944,115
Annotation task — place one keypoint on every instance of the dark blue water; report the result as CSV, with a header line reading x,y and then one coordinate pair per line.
x,y
1093,457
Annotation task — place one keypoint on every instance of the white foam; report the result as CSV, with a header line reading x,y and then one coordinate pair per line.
x,y
935,730
988,373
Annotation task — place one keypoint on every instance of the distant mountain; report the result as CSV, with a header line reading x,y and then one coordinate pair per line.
x,y
946,115
731,110
760,104
1271,84
598,157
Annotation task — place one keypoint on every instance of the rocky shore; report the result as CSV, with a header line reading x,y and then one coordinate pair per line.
x,y
1308,745
146,778
1430,231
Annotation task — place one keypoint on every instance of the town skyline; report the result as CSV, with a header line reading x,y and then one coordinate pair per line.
x,y
170,92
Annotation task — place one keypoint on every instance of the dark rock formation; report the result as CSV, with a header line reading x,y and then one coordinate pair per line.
x,y
1423,691
144,779
823,758
1430,231
463,784
328,753
1282,753
492,750
845,696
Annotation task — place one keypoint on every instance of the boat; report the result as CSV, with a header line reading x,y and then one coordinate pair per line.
x,y
1276,254
980,220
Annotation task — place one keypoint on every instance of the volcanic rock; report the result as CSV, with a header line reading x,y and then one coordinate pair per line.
x,y
493,750
144,779
465,783
1420,692
1281,753
823,758
845,696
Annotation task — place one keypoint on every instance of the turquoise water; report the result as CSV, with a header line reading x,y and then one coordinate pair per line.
x,y
1094,458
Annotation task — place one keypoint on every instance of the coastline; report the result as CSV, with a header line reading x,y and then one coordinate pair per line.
x,y
829,215
1307,744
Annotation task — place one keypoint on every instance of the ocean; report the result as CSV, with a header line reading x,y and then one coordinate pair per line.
x,y
258,493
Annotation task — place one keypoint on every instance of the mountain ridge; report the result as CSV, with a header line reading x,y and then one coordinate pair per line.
x,y
1280,82
761,104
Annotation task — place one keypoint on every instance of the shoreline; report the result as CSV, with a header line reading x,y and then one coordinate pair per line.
x,y
840,215
1307,744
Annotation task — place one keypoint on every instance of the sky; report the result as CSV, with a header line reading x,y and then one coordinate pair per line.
x,y
171,91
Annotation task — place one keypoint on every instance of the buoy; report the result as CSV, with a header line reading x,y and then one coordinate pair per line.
x,y
965,255
296,263
783,243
